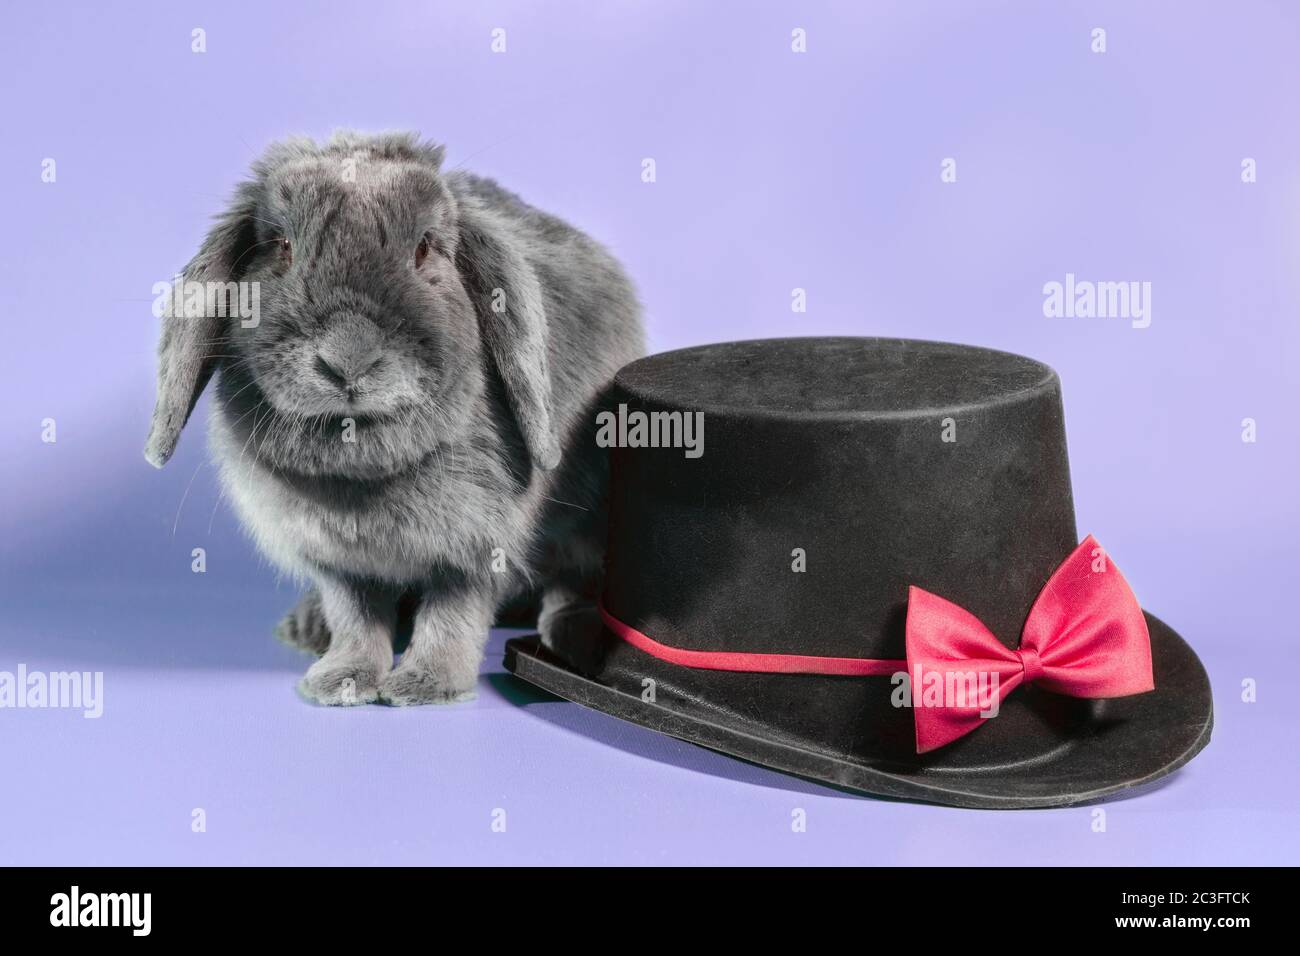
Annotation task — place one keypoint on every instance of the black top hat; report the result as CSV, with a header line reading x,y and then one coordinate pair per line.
x,y
778,506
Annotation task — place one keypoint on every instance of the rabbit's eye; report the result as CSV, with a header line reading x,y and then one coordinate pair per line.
x,y
285,248
421,251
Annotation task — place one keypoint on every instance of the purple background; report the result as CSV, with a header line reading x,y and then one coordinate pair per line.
x,y
775,171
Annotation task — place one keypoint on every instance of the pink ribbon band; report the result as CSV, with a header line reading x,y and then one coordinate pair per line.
x,y
1086,636
752,663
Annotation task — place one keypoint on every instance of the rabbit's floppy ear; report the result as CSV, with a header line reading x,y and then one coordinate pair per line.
x,y
190,344
512,318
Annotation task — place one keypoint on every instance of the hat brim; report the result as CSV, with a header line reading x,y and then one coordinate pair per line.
x,y
1042,750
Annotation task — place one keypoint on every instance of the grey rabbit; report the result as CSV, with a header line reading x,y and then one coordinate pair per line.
x,y
409,419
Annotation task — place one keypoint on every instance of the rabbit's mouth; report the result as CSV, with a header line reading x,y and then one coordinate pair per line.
x,y
345,487
373,446
372,406
334,421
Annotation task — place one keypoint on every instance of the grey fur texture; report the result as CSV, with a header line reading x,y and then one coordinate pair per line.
x,y
410,422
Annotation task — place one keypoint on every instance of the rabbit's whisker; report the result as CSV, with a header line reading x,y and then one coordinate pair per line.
x,y
221,494
248,250
180,507
568,504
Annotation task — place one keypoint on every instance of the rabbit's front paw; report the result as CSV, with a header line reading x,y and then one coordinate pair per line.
x,y
304,627
412,684
341,683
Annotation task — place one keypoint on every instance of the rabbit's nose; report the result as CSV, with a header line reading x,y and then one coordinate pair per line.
x,y
344,374
331,373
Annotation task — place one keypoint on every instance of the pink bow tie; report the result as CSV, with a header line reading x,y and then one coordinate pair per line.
x,y
1085,637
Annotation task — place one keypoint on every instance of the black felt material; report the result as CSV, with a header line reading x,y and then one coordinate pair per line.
x,y
836,447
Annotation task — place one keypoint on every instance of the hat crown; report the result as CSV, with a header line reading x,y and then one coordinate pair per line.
x,y
833,474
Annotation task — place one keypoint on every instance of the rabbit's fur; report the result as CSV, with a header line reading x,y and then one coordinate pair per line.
x,y
410,422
